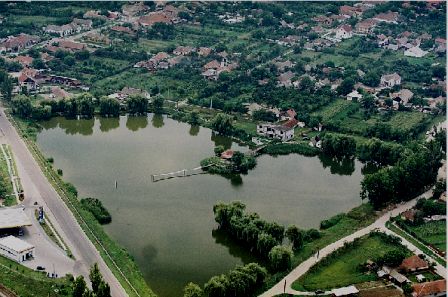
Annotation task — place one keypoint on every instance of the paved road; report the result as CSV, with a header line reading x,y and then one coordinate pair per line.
x,y
379,224
37,188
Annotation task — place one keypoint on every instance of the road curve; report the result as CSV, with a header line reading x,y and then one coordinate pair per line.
x,y
38,188
379,224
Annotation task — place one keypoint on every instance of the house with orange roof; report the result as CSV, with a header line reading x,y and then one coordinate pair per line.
x,y
413,263
430,289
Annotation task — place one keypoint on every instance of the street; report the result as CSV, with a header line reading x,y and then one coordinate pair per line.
x,y
38,189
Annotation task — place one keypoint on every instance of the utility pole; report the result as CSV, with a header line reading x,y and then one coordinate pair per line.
x,y
211,103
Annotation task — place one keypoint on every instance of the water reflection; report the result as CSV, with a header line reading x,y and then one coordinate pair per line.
x,y
226,142
73,127
149,253
108,124
235,249
157,121
134,123
340,166
194,130
369,168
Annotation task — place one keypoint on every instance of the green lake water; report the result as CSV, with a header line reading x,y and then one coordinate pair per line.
x,y
167,226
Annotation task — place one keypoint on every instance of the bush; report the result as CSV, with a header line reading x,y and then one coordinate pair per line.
x,y
71,189
325,224
96,207
59,171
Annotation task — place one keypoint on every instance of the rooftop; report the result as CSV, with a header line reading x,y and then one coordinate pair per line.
x,y
13,218
15,244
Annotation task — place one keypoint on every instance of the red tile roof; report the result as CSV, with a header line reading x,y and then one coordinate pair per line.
x,y
413,263
429,288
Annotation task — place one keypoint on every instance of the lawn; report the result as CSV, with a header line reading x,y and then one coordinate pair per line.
x,y
26,283
6,182
433,232
343,269
336,110
406,121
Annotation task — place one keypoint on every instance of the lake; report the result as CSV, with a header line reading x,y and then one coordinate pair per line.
x,y
167,225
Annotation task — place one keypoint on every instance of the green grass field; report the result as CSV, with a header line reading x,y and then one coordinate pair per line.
x,y
343,269
28,283
433,232
406,121
6,182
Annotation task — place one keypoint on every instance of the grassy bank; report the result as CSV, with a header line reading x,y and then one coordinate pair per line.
x,y
343,267
117,258
25,282
417,243
350,222
5,182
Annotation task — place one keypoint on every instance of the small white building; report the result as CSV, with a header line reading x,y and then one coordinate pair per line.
x,y
415,52
354,96
16,249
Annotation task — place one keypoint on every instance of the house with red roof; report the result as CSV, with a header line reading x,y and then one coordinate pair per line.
x,y
344,32
413,263
387,17
430,289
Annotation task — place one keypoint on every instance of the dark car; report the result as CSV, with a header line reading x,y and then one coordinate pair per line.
x,y
319,292
40,268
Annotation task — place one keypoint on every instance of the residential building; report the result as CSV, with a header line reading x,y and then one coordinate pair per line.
x,y
354,96
183,50
122,29
403,96
344,32
284,79
387,17
283,132
414,263
16,249
430,289
204,51
18,43
416,52
390,80
365,26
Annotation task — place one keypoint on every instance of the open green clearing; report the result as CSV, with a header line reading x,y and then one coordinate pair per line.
x,y
343,269
27,283
415,242
433,232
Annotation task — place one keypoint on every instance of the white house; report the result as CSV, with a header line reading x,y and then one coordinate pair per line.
x,y
354,96
344,32
16,249
415,52
282,132
390,80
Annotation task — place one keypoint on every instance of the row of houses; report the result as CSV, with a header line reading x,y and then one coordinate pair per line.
x,y
15,44
76,26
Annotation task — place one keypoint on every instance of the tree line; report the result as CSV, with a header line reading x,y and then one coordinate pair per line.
x,y
99,287
263,237
410,176
373,150
83,105
241,281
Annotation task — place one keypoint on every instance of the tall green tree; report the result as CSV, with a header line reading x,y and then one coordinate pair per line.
x,y
222,123
79,287
280,258
192,290
137,105
109,107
